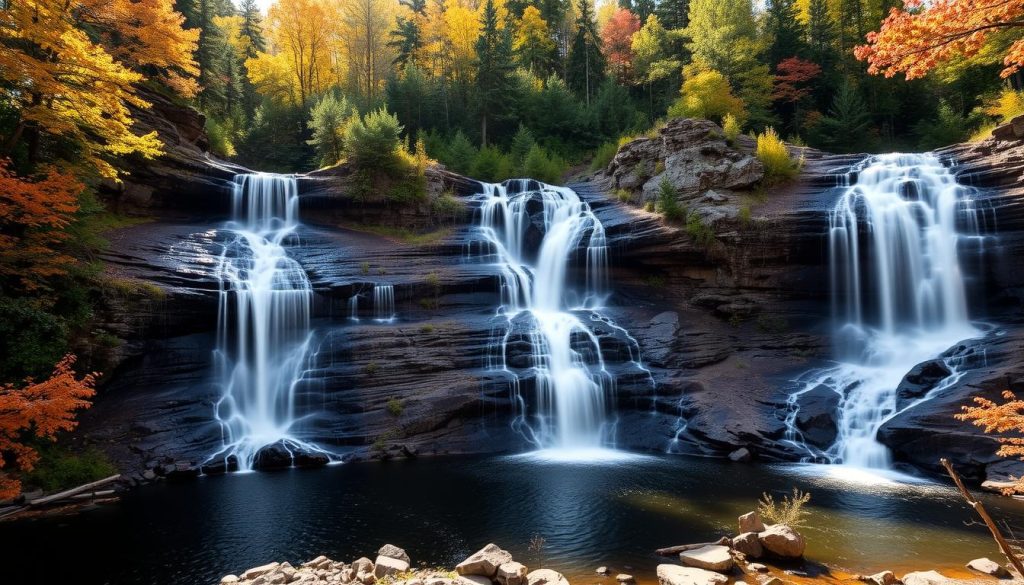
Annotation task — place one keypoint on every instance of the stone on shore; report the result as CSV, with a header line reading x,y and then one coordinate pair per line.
x,y
393,552
484,562
387,566
712,557
925,578
602,570
748,544
512,573
758,567
988,567
883,578
228,579
751,522
624,578
472,580
361,565
259,571
783,541
546,577
678,575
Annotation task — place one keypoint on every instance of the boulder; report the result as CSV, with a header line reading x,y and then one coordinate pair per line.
x,y
925,578
602,570
1011,131
751,522
624,578
259,571
393,552
782,541
361,565
677,575
387,566
741,455
816,417
919,381
883,578
228,579
512,573
484,562
546,577
988,567
711,557
748,544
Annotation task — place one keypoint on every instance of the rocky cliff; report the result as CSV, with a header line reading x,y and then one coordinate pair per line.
x,y
729,308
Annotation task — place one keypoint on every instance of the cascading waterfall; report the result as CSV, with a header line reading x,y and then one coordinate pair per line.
x,y
896,239
263,320
542,307
384,303
353,308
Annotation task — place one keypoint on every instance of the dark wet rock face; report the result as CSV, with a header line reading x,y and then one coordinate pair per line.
x,y
726,319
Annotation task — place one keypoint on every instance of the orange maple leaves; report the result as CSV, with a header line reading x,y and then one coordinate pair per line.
x,y
41,410
923,35
999,418
33,216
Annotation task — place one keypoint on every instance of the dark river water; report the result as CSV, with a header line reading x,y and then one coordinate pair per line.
x,y
441,510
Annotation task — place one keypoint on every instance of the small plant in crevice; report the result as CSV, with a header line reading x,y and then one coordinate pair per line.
x,y
364,268
668,206
395,407
371,369
623,195
536,546
699,231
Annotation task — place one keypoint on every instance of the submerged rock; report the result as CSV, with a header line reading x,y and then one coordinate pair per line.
x,y
741,455
711,557
816,418
677,575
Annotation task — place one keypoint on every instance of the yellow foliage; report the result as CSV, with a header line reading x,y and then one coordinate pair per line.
x,y
706,93
772,153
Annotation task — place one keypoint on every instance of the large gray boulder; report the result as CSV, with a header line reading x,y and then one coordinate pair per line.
x,y
392,551
783,541
484,562
512,573
677,575
387,566
711,557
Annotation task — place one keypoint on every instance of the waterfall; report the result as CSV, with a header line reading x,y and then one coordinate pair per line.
x,y
384,303
896,239
535,234
263,323
353,308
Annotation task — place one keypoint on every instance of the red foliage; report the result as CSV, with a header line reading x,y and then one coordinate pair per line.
x,y
792,82
617,38
41,410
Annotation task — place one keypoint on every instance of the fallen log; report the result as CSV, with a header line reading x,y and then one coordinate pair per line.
x,y
93,495
671,551
73,491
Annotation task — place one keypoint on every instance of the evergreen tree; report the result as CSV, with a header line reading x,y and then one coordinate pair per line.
x,y
847,128
327,123
585,68
494,68
821,33
643,9
673,14
406,39
784,31
218,74
252,28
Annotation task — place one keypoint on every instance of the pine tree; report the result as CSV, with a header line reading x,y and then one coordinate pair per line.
x,y
783,28
585,69
673,14
643,9
494,68
847,127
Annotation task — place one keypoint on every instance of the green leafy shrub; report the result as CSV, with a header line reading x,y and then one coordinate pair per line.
x,y
772,152
221,143
395,407
449,207
790,511
372,141
699,231
491,165
668,206
59,469
623,195
327,120
522,142
603,156
544,167
461,154
731,127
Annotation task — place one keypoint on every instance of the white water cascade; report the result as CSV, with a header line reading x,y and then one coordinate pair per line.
x,y
263,320
535,234
896,239
384,303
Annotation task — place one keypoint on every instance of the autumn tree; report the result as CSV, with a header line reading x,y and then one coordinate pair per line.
x,y
533,43
922,35
784,30
1001,418
706,93
66,84
617,40
38,410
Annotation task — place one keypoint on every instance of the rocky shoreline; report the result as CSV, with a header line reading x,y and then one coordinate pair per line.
x,y
757,555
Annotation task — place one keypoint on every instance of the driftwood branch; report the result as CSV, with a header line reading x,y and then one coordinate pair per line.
x,y
1004,547
671,551
73,492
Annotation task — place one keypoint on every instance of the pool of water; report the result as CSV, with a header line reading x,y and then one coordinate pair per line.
x,y
615,513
